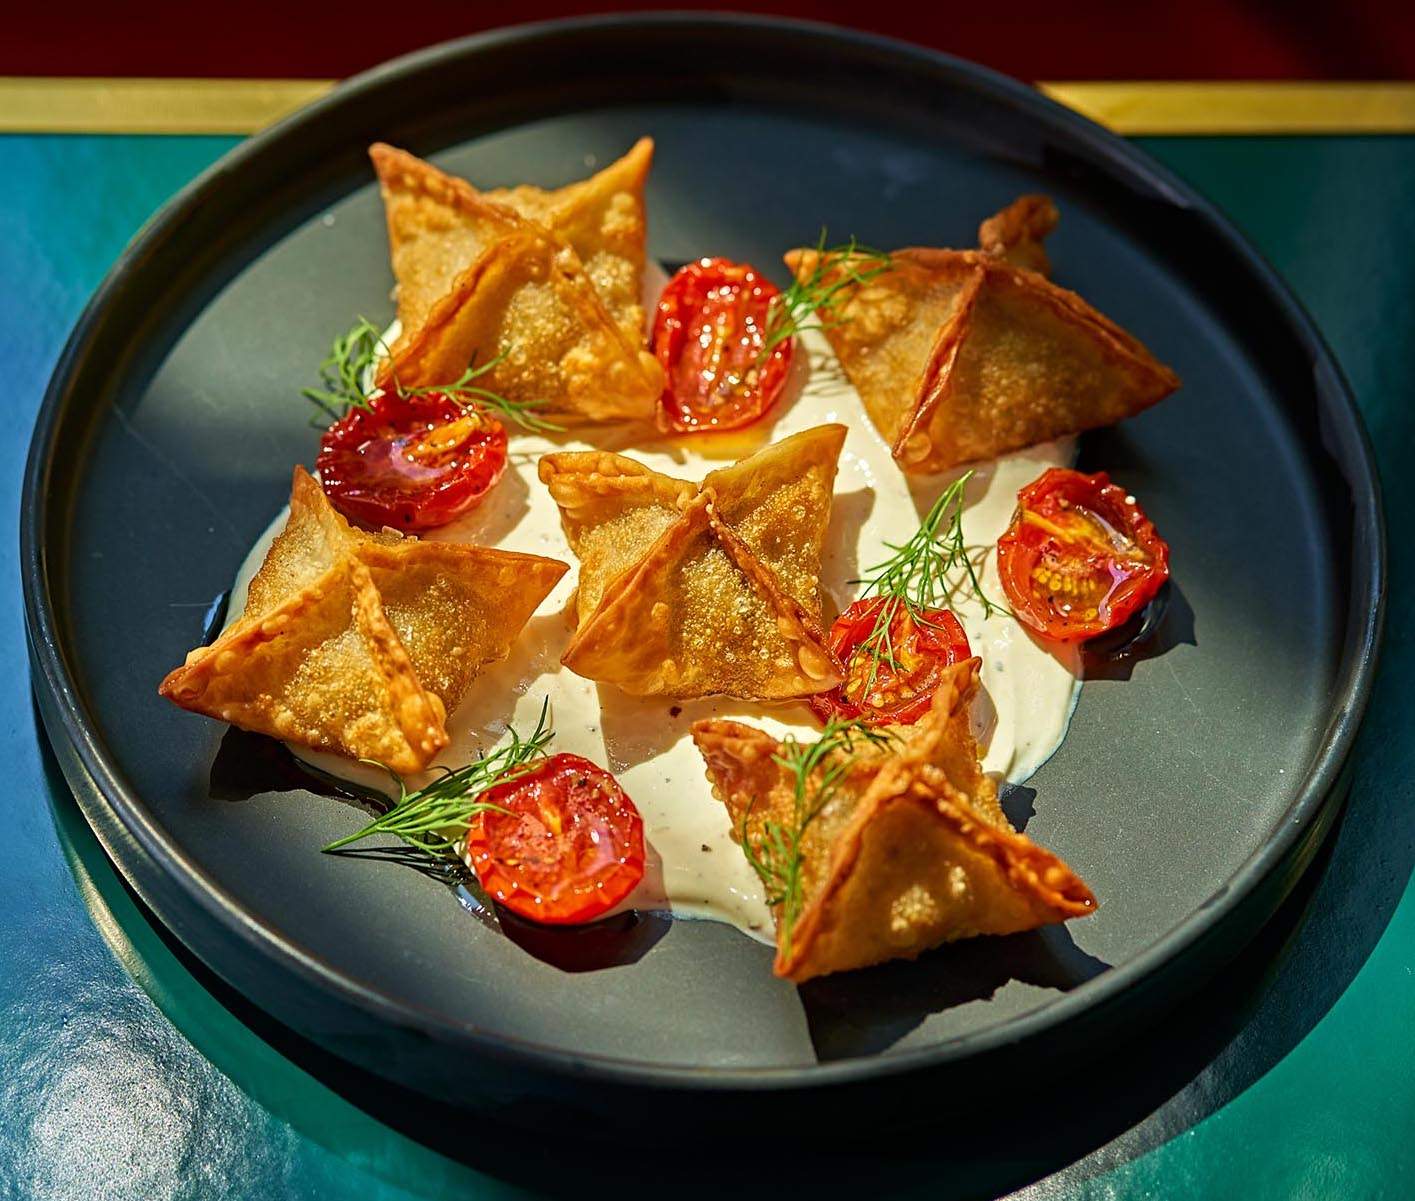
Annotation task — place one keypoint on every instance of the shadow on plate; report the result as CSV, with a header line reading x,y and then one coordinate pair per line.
x,y
1163,624
1018,802
613,942
898,996
251,765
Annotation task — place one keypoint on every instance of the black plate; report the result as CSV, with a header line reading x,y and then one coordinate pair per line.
x,y
1198,775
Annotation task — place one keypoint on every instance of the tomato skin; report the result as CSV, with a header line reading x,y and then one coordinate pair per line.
x,y
1080,556
410,462
570,848
925,647
708,334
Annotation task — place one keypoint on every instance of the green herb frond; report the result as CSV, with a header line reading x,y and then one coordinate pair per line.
x,y
348,369
776,852
929,570
465,392
821,293
351,358
430,820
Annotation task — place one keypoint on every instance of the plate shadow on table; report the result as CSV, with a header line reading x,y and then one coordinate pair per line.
x,y
1143,1093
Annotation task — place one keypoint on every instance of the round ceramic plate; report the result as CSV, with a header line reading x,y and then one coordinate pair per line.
x,y
1199,771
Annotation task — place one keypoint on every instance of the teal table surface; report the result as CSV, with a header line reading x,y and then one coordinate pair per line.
x,y
128,1071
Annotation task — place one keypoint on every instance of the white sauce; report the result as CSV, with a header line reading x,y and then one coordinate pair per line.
x,y
694,868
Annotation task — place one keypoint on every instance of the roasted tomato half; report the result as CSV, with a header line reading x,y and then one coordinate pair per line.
x,y
1080,556
709,333
893,681
569,847
411,462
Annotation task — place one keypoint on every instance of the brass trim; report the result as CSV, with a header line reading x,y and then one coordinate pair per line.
x,y
190,106
1287,107
37,104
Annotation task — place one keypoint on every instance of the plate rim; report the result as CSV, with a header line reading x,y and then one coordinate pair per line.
x,y
1343,434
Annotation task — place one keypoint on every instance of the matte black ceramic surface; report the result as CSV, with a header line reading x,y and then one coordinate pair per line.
x,y
1196,778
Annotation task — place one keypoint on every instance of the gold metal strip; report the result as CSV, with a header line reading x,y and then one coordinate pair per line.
x,y
1242,108
192,106
240,106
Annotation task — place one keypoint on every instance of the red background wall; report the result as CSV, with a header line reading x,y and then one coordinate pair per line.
x,y
1032,39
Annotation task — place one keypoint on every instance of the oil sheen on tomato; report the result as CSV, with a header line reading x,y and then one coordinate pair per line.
x,y
891,673
1080,556
411,462
561,844
710,334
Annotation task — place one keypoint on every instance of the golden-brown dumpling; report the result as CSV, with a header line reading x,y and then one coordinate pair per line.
x,y
693,589
1017,233
479,283
959,355
438,226
908,849
604,219
530,315
361,643
613,509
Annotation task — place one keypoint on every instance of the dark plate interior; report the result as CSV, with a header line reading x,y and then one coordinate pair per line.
x,y
1193,771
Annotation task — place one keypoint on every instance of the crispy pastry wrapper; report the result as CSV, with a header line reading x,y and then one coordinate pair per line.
x,y
1017,234
361,643
613,509
959,355
527,311
604,219
479,283
912,850
689,590
438,225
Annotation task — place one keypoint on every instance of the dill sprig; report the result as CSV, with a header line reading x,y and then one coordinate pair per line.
x,y
349,363
348,369
465,392
423,819
777,853
924,572
821,292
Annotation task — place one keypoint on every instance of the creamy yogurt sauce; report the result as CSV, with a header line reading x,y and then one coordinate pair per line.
x,y
694,869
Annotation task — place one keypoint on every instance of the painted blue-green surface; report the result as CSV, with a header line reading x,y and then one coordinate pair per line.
x,y
126,1073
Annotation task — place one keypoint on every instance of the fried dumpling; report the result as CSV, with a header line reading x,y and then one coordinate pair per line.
x,y
603,219
534,322
960,355
361,643
479,283
438,226
694,589
1017,234
908,847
